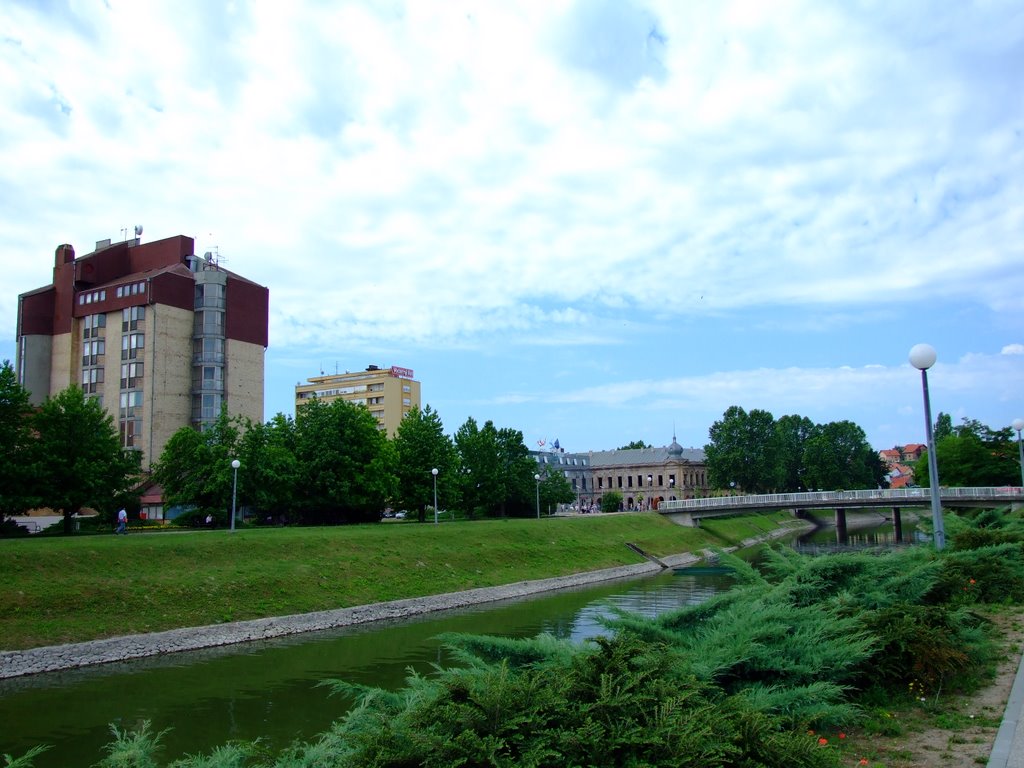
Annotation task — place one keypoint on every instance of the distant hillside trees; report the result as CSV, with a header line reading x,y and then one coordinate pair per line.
x,y
759,454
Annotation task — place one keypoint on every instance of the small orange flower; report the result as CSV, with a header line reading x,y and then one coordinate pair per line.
x,y
842,735
863,761
823,741
972,581
810,733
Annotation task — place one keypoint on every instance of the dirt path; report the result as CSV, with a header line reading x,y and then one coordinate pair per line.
x,y
959,732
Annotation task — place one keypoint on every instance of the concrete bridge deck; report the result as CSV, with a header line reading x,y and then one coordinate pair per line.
x,y
689,511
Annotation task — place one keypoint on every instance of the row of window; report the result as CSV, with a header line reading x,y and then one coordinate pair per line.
x,y
208,350
92,297
132,289
209,295
693,478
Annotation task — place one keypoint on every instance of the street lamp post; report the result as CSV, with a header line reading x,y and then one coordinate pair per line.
x,y
235,464
434,473
922,357
537,480
1018,424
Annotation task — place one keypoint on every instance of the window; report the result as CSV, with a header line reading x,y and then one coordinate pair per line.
x,y
620,482
131,345
131,375
660,483
206,407
406,388
209,295
131,317
92,351
131,403
629,481
406,401
210,322
131,432
91,379
600,483
208,350
81,299
91,325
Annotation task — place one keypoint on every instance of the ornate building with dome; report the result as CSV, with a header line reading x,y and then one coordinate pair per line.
x,y
644,476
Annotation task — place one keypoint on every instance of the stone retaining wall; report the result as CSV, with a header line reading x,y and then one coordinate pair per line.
x,y
72,655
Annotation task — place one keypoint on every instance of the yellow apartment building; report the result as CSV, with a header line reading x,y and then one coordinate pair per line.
x,y
388,393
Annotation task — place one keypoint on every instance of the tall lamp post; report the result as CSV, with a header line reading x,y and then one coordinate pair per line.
x,y
235,464
1018,424
434,473
922,357
537,480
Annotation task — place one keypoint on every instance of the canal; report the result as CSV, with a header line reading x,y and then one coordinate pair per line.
x,y
270,690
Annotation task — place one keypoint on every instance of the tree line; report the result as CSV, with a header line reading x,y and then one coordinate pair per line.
x,y
757,453
331,464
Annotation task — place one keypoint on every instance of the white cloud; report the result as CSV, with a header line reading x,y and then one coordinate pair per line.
x,y
554,175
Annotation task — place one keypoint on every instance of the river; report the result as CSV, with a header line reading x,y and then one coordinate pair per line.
x,y
270,690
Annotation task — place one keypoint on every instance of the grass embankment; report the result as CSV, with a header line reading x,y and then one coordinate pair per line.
x,y
61,590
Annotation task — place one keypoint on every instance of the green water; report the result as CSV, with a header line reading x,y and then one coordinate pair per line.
x,y
270,690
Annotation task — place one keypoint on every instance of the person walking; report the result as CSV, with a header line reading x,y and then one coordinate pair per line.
x,y
122,521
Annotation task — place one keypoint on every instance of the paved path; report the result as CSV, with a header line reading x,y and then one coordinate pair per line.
x,y
1008,748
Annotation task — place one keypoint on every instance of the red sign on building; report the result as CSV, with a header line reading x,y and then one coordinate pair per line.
x,y
401,373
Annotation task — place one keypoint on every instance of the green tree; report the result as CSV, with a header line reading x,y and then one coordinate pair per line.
x,y
346,464
17,446
793,433
80,461
973,455
269,467
555,487
943,427
195,467
837,456
744,449
611,501
421,446
498,465
634,445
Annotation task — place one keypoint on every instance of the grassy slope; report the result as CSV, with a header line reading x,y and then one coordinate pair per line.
x,y
60,590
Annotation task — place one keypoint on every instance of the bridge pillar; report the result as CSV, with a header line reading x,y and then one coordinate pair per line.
x,y
841,526
897,524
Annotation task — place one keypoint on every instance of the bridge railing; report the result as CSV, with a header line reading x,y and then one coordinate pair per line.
x,y
825,498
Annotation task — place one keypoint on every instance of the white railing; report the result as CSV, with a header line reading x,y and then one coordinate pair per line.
x,y
842,498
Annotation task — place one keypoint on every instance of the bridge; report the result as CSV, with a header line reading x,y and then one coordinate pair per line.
x,y
692,511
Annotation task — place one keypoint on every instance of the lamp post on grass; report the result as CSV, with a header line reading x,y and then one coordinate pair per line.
x,y
537,480
235,464
922,357
434,473
1018,424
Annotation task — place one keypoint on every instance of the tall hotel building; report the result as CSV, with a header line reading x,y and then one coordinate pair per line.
x,y
161,337
389,393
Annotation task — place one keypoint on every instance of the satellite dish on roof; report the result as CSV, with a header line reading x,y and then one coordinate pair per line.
x,y
138,230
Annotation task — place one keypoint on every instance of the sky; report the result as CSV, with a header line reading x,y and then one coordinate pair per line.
x,y
595,221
